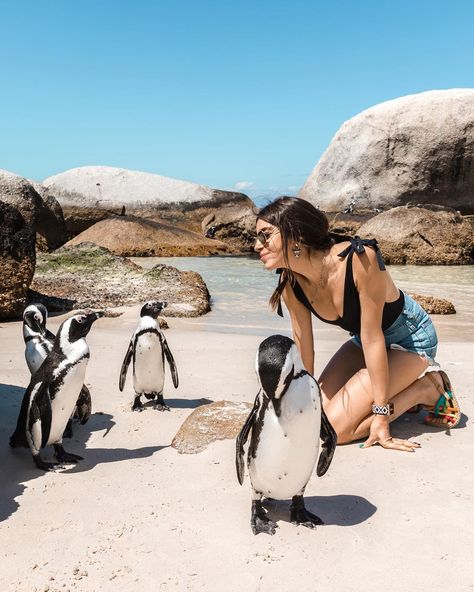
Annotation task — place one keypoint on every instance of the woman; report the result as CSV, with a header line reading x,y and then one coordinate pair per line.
x,y
374,377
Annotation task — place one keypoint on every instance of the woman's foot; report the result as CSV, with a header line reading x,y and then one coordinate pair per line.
x,y
444,411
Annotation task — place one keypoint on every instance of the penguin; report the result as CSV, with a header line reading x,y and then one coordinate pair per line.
x,y
286,424
52,393
148,348
38,343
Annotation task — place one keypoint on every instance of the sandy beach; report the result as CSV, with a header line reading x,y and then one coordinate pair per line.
x,y
135,515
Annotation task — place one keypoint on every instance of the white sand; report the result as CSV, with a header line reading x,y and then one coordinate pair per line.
x,y
137,516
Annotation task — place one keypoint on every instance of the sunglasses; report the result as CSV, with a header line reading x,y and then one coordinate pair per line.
x,y
264,239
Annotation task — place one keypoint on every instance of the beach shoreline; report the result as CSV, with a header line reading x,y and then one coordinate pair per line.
x,y
136,515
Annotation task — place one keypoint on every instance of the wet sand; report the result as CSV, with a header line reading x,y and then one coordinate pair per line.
x,y
135,515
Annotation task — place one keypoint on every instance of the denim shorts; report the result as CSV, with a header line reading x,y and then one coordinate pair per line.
x,y
412,331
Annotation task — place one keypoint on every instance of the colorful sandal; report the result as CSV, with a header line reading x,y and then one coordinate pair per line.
x,y
446,413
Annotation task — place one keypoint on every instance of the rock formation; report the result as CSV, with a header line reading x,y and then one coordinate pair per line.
x,y
88,276
17,260
420,236
130,236
90,194
415,149
45,215
234,225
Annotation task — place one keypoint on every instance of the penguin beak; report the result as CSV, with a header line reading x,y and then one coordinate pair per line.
x,y
39,327
93,316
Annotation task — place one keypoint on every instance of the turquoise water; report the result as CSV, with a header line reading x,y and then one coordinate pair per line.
x,y
240,288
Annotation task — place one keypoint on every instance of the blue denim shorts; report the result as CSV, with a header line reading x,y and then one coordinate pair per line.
x,y
412,331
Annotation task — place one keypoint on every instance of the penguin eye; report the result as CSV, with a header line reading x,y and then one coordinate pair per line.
x,y
148,304
80,320
37,317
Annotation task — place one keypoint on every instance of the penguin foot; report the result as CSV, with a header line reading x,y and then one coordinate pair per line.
x,y
161,407
160,404
259,521
137,404
44,465
300,515
68,431
65,457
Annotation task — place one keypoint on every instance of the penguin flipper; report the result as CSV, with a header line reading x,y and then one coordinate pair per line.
x,y
38,423
125,363
84,405
242,439
329,438
171,362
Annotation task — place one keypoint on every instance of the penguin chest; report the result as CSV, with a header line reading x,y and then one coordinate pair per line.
x,y
148,375
65,397
288,445
35,354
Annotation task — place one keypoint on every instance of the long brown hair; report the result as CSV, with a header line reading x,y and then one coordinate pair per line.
x,y
298,221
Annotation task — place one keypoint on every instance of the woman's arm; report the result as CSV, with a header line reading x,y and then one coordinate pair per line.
x,y
301,324
371,284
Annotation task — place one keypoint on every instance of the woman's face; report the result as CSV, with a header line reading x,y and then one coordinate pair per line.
x,y
269,245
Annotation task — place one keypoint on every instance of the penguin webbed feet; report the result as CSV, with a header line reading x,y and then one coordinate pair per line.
x,y
259,520
45,465
300,515
160,404
65,457
137,404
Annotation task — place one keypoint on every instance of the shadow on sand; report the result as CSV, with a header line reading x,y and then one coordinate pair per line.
x,y
181,403
334,510
410,425
17,464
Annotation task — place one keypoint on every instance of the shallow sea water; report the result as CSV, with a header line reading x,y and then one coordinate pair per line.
x,y
240,288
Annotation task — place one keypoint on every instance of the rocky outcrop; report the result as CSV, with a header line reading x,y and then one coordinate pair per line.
x,y
135,237
44,214
17,261
221,420
416,149
421,236
233,225
434,305
88,276
90,194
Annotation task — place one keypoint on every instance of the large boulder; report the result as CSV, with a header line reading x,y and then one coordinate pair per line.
x,y
90,194
234,225
421,236
88,276
130,236
44,214
416,149
17,260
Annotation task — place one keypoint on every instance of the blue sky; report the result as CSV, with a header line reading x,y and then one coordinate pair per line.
x,y
230,94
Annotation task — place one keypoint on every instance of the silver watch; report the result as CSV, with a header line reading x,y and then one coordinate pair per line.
x,y
382,409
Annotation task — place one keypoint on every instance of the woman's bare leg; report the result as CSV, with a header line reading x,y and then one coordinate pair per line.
x,y
350,409
348,359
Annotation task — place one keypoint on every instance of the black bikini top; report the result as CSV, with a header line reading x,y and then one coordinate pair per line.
x,y
350,320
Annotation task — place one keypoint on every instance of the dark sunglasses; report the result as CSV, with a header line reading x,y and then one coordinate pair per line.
x,y
264,239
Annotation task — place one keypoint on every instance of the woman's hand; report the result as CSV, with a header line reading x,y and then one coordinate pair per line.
x,y
380,434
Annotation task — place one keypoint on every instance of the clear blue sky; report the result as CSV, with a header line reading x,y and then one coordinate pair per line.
x,y
215,92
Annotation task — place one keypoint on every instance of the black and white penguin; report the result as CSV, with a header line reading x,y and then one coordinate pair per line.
x,y
148,349
53,391
38,343
38,340
287,422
